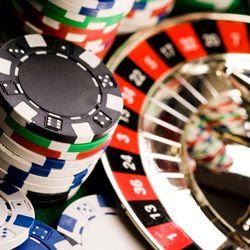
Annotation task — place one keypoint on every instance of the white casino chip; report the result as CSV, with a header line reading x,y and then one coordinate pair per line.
x,y
98,222
16,216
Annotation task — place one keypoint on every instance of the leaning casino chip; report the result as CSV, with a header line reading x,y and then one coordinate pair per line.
x,y
98,222
58,90
16,216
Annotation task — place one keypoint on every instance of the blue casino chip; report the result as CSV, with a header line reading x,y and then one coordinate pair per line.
x,y
42,237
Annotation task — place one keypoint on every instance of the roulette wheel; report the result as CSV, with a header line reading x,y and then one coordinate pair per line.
x,y
185,85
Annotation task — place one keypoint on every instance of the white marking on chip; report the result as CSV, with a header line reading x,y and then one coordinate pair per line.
x,y
20,88
89,58
97,48
35,40
64,147
75,37
57,116
16,71
30,28
114,102
24,58
61,55
95,82
91,45
75,118
99,98
41,52
34,104
92,112
25,111
51,23
91,4
81,130
81,66
110,28
96,26
75,17
5,66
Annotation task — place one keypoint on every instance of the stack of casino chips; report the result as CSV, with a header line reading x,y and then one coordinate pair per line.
x,y
226,114
204,146
59,107
222,116
145,13
91,24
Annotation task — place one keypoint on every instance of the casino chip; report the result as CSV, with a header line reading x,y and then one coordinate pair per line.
x,y
20,145
51,163
26,181
90,24
23,176
81,113
12,128
145,13
16,216
59,108
42,236
98,222
25,168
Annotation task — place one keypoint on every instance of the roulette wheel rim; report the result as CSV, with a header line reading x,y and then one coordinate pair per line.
x,y
123,181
